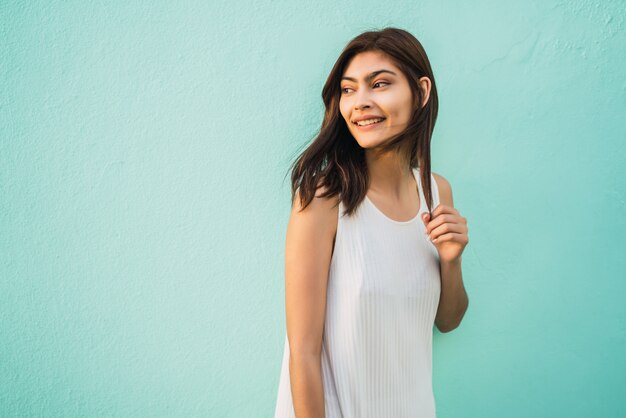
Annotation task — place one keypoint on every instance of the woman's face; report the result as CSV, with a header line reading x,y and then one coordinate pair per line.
x,y
372,87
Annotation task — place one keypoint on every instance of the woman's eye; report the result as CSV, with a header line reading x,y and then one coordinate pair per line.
x,y
343,90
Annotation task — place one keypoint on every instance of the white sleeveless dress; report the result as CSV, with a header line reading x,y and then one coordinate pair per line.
x,y
382,296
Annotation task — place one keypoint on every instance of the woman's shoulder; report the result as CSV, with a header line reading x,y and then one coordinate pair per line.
x,y
322,203
321,214
444,188
441,180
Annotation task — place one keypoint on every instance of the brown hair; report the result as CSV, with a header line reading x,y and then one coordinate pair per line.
x,y
334,159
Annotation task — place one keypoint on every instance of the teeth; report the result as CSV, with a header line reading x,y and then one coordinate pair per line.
x,y
368,121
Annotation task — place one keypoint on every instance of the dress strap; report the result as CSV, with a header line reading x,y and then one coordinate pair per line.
x,y
418,180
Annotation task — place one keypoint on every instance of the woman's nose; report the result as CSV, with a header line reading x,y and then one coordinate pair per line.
x,y
362,100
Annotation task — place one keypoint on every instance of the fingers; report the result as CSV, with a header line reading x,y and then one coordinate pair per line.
x,y
440,209
442,220
438,227
452,236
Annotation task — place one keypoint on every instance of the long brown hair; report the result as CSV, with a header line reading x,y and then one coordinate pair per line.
x,y
334,159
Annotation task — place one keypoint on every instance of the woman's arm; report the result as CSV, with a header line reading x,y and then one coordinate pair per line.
x,y
308,249
453,302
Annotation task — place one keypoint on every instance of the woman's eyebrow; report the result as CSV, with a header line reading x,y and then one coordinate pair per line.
x,y
370,76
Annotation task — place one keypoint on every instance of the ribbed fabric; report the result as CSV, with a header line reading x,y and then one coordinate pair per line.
x,y
382,296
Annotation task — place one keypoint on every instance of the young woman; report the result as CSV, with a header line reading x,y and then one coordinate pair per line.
x,y
374,243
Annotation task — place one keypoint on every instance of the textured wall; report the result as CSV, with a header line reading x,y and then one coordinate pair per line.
x,y
143,208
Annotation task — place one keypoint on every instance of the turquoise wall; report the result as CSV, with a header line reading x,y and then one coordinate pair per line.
x,y
143,204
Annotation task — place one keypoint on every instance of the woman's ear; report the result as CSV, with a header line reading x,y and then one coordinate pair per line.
x,y
425,85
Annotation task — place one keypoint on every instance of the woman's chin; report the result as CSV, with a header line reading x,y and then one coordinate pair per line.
x,y
370,142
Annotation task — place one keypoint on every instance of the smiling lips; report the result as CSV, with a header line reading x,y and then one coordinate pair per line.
x,y
368,123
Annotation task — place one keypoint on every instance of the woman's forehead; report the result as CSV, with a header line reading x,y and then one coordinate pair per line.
x,y
369,61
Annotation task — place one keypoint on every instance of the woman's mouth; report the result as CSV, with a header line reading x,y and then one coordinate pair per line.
x,y
369,123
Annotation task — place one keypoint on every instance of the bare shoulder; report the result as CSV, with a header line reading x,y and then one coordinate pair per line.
x,y
445,190
320,214
318,220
